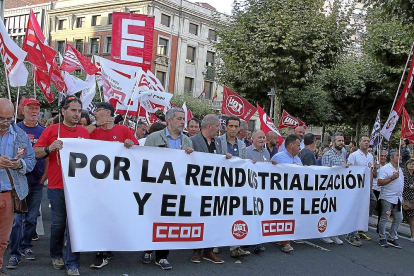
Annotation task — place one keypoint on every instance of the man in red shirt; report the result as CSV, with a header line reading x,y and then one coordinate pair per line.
x,y
49,145
109,132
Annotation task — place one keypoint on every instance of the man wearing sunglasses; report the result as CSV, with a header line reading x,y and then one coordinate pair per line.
x,y
49,145
16,159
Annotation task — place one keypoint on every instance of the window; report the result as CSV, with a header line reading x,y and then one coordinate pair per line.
x,y
62,24
190,54
94,45
165,20
162,48
61,46
208,86
212,35
188,86
96,20
80,22
210,59
110,19
193,29
108,44
161,76
79,45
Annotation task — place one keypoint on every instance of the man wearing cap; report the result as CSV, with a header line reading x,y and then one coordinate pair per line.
x,y
49,145
23,232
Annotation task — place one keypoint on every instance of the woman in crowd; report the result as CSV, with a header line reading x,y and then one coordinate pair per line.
x,y
408,192
85,119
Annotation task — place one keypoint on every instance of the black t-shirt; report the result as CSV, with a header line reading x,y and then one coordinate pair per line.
x,y
212,147
307,157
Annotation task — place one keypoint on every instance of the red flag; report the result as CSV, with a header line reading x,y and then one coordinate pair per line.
x,y
38,53
43,81
56,77
289,121
392,120
189,115
267,125
132,39
73,60
407,127
203,94
236,105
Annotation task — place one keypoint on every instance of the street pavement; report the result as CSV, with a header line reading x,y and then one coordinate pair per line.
x,y
311,258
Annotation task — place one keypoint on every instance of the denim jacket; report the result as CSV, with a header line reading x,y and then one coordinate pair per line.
x,y
21,140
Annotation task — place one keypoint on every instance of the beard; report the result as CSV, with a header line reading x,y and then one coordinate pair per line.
x,y
339,147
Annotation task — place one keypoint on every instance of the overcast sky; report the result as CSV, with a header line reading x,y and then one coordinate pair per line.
x,y
223,6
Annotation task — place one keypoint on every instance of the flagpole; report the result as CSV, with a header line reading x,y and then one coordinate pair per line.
x,y
17,104
402,77
7,81
34,81
99,89
128,106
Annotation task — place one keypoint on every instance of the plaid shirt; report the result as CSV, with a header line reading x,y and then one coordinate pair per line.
x,y
332,158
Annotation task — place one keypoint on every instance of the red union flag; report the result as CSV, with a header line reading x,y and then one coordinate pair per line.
x,y
289,121
38,53
43,81
236,105
73,60
407,127
392,120
132,36
267,125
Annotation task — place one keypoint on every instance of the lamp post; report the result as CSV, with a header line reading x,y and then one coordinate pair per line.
x,y
271,94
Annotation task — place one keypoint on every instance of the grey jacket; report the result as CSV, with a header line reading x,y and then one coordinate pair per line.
x,y
21,140
200,145
159,139
221,142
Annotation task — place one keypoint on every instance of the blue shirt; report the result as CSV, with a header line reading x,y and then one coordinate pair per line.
x,y
232,149
285,157
34,177
173,143
6,148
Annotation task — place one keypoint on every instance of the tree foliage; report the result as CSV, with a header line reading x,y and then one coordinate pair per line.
x,y
281,44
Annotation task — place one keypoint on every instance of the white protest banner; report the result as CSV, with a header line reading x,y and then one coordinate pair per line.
x,y
158,198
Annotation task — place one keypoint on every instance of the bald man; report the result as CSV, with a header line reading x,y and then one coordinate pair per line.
x,y
300,132
257,151
16,159
271,143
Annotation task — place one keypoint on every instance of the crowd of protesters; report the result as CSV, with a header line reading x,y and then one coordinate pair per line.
x,y
27,172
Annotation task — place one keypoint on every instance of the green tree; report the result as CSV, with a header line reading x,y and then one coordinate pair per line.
x,y
280,44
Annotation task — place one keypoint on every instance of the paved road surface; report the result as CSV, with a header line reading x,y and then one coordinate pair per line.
x,y
307,259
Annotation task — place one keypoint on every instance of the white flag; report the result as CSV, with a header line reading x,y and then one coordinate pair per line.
x,y
184,108
12,56
88,93
74,84
118,80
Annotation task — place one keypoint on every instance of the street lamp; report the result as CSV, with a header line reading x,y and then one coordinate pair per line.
x,y
271,94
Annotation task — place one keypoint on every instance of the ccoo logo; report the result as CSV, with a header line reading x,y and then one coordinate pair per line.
x,y
235,105
240,230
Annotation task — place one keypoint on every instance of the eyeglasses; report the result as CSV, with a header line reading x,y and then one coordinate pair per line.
x,y
99,109
6,121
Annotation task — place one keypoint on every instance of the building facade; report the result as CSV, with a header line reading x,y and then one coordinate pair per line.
x,y
183,47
